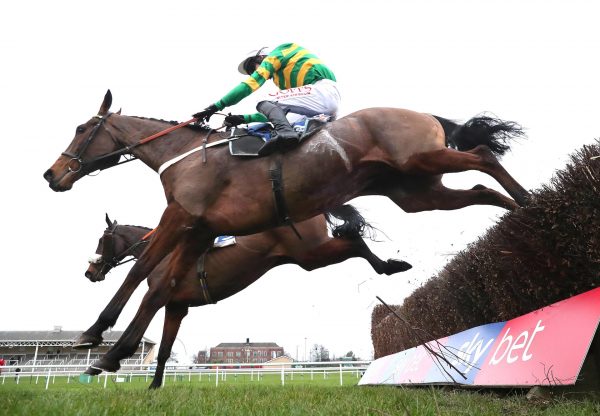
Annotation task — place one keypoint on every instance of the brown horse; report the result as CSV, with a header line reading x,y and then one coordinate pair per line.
x,y
393,152
228,270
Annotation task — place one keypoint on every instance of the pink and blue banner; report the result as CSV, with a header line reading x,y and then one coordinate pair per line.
x,y
544,347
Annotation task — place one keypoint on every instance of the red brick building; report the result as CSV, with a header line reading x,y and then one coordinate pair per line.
x,y
248,352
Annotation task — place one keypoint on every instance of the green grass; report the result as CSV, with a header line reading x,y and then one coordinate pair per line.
x,y
240,396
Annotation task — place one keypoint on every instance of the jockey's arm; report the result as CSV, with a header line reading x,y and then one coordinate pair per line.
x,y
246,87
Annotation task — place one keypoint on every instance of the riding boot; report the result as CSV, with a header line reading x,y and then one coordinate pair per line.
x,y
285,135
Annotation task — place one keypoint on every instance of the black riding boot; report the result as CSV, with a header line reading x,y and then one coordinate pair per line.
x,y
285,136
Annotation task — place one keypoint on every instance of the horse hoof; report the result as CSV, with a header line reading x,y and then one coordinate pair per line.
x,y
92,371
154,386
86,342
101,365
397,266
524,199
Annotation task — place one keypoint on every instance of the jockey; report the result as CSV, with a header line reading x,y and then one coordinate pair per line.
x,y
306,88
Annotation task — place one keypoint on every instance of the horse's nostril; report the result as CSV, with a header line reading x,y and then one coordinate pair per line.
x,y
48,175
88,275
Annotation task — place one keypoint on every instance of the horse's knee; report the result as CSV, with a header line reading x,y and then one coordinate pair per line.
x,y
479,187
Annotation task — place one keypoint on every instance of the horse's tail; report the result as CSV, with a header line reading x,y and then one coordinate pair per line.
x,y
354,224
492,132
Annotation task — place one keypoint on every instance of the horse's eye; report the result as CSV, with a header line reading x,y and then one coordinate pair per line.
x,y
80,129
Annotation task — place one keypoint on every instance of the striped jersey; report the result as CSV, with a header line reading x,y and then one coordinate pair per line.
x,y
289,65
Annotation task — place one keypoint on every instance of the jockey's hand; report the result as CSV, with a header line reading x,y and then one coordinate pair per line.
x,y
205,114
232,120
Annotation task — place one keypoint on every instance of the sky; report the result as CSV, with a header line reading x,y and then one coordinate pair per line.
x,y
534,62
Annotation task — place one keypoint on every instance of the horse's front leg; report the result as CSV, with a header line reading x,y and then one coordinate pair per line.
x,y
337,250
174,314
160,245
185,254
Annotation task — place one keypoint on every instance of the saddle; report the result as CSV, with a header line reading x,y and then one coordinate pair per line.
x,y
249,140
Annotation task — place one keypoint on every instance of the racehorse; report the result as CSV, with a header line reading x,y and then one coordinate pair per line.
x,y
228,270
398,153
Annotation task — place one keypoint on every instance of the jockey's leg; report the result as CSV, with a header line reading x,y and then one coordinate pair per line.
x,y
285,136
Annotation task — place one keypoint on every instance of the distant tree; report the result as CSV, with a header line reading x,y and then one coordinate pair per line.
x,y
201,357
319,353
351,355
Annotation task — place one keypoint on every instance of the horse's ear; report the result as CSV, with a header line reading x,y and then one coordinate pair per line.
x,y
105,104
118,112
108,221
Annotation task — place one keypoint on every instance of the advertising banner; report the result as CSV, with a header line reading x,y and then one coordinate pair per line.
x,y
544,347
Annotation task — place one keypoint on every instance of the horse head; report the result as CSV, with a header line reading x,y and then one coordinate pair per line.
x,y
104,259
117,243
90,150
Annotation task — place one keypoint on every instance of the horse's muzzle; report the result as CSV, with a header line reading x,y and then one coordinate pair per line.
x,y
54,184
94,275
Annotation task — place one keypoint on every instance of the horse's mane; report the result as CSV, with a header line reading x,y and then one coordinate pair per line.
x,y
136,226
133,226
193,126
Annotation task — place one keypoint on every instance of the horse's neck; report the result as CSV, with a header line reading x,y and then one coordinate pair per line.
x,y
130,130
131,235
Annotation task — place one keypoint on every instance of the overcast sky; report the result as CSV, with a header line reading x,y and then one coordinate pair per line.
x,y
535,62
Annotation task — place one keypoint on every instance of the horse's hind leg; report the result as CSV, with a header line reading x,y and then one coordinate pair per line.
x,y
159,247
337,250
193,243
480,158
440,197
174,314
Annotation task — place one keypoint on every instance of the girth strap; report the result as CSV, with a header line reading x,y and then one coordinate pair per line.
x,y
276,178
201,273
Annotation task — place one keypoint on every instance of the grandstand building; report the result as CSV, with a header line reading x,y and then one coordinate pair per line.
x,y
56,348
248,352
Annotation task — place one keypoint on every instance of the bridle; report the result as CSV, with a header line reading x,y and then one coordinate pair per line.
x,y
108,259
77,164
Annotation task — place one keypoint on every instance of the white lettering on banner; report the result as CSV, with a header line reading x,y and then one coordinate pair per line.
x,y
465,352
522,340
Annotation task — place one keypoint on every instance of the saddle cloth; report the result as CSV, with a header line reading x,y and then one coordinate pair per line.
x,y
249,141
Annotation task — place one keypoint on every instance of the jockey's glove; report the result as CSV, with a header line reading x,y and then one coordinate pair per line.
x,y
232,120
206,113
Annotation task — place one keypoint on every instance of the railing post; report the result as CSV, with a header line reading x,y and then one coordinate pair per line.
x,y
47,379
341,380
